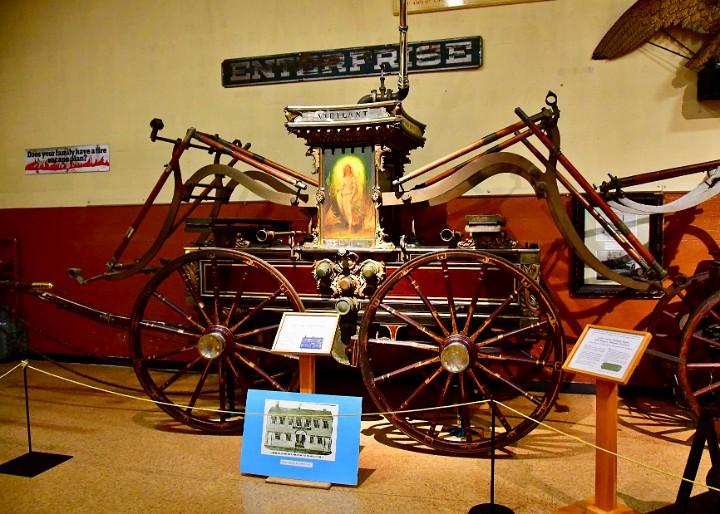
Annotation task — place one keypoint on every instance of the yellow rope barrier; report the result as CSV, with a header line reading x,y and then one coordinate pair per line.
x,y
539,423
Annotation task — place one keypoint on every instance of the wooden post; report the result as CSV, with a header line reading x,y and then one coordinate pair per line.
x,y
605,499
606,400
307,373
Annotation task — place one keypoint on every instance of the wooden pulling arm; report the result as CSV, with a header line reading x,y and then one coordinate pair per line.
x,y
497,148
609,228
490,138
258,161
172,166
655,176
639,253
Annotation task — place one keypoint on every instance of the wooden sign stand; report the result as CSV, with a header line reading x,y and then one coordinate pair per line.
x,y
286,341
591,356
307,373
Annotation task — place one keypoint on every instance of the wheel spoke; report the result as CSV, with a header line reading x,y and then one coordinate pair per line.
x,y
169,353
464,410
493,315
473,302
191,289
707,389
408,344
256,310
256,331
421,388
440,403
450,296
509,383
412,323
430,307
198,388
257,369
406,369
175,376
216,289
188,317
487,394
699,337
511,333
168,328
223,390
240,288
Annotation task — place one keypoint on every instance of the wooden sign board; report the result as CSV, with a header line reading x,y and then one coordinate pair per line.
x,y
607,353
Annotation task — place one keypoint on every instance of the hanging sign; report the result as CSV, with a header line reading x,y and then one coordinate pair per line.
x,y
67,159
439,55
419,6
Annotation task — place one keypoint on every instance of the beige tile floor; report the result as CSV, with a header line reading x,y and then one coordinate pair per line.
x,y
128,456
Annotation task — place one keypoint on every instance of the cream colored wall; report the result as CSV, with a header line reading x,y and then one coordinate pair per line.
x,y
77,73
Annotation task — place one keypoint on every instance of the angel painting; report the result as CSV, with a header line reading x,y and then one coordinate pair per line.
x,y
348,209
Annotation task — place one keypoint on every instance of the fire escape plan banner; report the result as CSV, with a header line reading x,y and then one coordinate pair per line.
x,y
67,159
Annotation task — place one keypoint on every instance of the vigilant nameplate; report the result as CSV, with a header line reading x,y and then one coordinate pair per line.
x,y
427,56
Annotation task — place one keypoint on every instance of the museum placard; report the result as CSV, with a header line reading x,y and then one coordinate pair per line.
x,y
608,353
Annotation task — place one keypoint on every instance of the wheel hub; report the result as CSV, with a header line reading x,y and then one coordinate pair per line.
x,y
457,353
214,341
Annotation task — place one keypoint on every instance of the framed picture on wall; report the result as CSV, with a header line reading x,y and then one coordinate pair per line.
x,y
585,281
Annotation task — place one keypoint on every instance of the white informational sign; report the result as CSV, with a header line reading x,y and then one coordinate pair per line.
x,y
306,333
67,159
608,353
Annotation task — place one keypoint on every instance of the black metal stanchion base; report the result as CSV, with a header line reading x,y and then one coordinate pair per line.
x,y
490,508
32,464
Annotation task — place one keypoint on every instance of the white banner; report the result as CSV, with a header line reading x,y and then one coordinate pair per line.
x,y
67,159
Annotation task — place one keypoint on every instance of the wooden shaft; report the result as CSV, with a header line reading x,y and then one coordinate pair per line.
x,y
646,258
500,146
276,170
467,149
170,167
616,235
654,176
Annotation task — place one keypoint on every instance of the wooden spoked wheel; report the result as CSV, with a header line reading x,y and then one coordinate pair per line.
x,y
669,317
699,367
447,332
201,335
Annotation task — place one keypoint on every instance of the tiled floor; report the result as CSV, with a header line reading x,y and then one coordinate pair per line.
x,y
128,456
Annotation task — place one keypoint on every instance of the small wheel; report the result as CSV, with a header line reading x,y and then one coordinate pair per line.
x,y
201,333
699,369
450,329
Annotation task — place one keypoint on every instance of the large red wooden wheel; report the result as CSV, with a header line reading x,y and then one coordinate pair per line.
x,y
666,324
699,366
201,333
450,329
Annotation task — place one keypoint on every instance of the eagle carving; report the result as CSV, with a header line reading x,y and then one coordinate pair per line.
x,y
645,18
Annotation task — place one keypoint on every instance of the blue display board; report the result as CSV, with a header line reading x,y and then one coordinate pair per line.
x,y
312,437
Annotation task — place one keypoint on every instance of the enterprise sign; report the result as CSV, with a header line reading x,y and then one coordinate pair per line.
x,y
439,55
